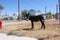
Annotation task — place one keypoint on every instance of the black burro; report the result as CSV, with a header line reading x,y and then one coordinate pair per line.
x,y
35,19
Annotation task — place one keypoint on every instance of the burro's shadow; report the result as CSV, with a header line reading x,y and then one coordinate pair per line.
x,y
30,29
27,29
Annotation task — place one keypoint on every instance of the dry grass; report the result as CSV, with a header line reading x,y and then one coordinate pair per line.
x,y
52,31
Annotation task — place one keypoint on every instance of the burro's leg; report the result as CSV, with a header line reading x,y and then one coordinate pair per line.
x,y
43,24
32,25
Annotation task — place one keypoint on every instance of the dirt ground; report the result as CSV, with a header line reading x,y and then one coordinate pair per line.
x,y
52,31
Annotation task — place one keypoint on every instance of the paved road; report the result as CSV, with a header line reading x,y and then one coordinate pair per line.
x,y
10,23
13,23
16,22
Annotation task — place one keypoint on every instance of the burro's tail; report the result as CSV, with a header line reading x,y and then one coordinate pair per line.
x,y
43,19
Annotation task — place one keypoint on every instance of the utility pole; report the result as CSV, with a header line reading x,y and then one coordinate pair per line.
x,y
45,9
59,11
18,9
56,8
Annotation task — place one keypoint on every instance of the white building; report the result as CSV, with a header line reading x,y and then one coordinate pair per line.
x,y
14,16
33,13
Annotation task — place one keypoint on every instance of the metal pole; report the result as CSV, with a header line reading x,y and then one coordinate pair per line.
x,y
18,9
56,8
59,11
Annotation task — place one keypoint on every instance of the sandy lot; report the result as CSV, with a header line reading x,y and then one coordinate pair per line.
x,y
52,31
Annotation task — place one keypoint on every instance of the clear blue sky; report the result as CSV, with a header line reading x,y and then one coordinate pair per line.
x,y
11,6
39,5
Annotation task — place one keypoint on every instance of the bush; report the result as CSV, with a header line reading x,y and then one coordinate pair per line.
x,y
15,33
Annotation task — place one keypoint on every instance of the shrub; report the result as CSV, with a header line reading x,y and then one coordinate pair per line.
x,y
15,33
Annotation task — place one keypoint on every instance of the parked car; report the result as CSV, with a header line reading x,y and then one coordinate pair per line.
x,y
7,18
